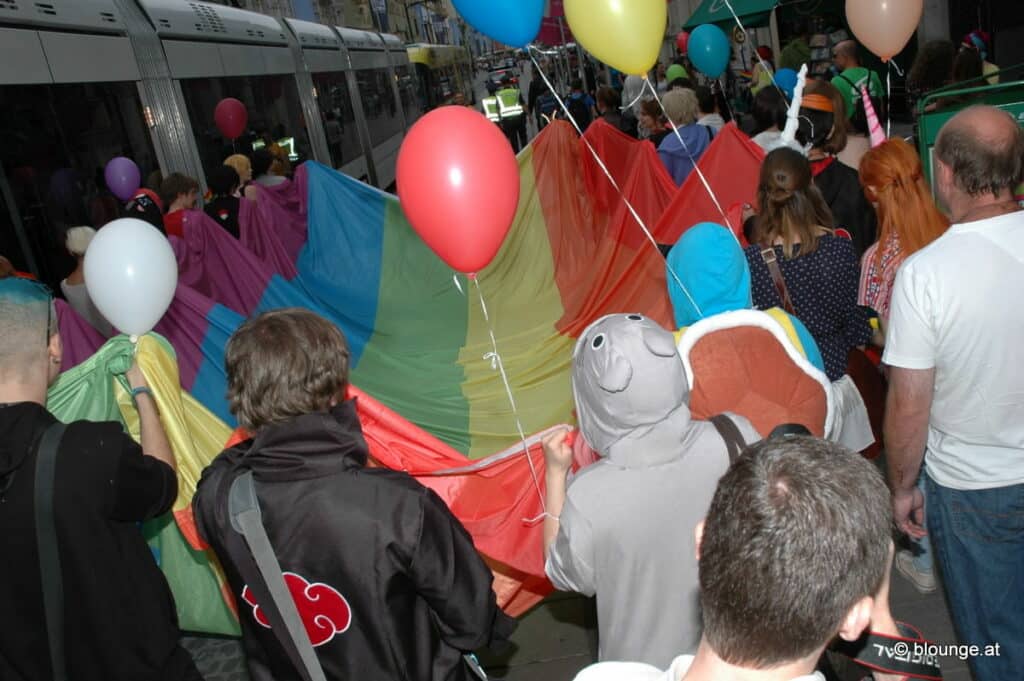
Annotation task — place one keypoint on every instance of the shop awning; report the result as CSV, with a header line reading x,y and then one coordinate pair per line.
x,y
753,13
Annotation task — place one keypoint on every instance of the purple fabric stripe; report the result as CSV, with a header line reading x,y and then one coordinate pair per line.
x,y
80,339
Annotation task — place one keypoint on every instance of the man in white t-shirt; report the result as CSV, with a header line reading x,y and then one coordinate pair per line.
x,y
795,550
957,387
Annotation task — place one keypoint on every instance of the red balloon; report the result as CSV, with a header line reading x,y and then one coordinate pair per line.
x,y
458,181
682,42
231,117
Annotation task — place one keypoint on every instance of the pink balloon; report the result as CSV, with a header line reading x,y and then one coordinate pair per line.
x,y
884,26
231,117
458,182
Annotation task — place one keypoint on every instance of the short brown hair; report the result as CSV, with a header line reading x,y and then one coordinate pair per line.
x,y
792,207
284,364
797,533
174,185
651,108
608,97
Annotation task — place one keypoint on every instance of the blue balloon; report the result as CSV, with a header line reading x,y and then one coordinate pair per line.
x,y
786,80
511,22
709,50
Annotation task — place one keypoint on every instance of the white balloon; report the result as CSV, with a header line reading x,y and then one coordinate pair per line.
x,y
131,274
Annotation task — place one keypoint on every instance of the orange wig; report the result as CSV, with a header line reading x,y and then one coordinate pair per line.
x,y
893,180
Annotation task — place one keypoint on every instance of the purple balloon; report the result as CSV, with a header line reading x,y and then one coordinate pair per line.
x,y
123,177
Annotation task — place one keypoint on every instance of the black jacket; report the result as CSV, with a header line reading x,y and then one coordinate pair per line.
x,y
119,617
840,185
403,589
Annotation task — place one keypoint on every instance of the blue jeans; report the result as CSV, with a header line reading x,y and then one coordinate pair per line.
x,y
978,539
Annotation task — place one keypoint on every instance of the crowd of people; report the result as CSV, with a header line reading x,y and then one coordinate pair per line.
x,y
715,549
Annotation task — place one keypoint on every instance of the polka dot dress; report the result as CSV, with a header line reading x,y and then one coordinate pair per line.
x,y
823,287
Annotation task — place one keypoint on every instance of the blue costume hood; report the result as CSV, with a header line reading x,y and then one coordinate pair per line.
x,y
714,271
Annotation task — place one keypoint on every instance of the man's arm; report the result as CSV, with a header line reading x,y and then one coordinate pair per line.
x,y
154,439
558,460
454,580
907,411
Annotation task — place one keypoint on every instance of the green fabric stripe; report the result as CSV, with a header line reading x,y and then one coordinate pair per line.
x,y
421,327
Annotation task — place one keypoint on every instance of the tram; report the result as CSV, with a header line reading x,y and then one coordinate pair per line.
x,y
83,81
443,72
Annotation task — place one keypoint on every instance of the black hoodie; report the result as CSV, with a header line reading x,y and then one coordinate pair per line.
x,y
119,617
393,587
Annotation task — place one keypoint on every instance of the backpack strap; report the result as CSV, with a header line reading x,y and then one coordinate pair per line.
x,y
730,432
854,85
49,552
772,261
269,586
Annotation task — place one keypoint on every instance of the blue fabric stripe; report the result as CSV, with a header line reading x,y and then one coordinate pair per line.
x,y
211,383
343,254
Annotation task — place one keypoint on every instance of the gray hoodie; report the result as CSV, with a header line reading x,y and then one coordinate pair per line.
x,y
627,528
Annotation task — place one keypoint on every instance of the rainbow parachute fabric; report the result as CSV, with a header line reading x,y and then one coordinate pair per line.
x,y
429,398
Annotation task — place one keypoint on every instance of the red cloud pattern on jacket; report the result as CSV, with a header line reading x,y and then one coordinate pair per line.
x,y
324,611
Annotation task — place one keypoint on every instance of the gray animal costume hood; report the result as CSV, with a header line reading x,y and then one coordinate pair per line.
x,y
630,389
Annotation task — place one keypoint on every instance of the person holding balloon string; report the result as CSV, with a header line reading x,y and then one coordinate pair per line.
x,y
100,483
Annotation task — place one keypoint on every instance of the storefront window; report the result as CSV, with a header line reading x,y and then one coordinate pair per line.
x,y
338,116
379,104
57,141
275,113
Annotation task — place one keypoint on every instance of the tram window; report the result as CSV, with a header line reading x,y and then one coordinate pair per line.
x,y
57,140
429,87
408,88
274,113
338,116
10,246
379,104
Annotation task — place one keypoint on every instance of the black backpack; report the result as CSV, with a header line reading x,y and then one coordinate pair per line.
x,y
580,111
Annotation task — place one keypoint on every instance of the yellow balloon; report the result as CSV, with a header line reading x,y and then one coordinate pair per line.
x,y
624,34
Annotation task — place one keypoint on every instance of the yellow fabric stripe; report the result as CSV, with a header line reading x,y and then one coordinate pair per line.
x,y
195,434
519,289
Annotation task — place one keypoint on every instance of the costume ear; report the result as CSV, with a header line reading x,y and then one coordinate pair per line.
x,y
659,342
616,374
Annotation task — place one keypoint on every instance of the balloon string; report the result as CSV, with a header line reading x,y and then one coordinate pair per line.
x,y
725,98
496,363
764,65
615,185
890,65
888,99
696,166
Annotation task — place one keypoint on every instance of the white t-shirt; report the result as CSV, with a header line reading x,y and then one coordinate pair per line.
x,y
767,139
957,308
634,671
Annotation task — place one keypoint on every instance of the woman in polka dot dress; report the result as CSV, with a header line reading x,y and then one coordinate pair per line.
x,y
821,274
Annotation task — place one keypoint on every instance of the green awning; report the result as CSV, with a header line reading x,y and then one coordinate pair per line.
x,y
753,13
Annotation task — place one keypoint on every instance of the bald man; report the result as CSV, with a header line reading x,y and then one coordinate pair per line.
x,y
956,387
852,76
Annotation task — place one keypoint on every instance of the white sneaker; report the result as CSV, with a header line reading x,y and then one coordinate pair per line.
x,y
922,581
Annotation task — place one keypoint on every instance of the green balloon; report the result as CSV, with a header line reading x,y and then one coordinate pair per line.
x,y
674,72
